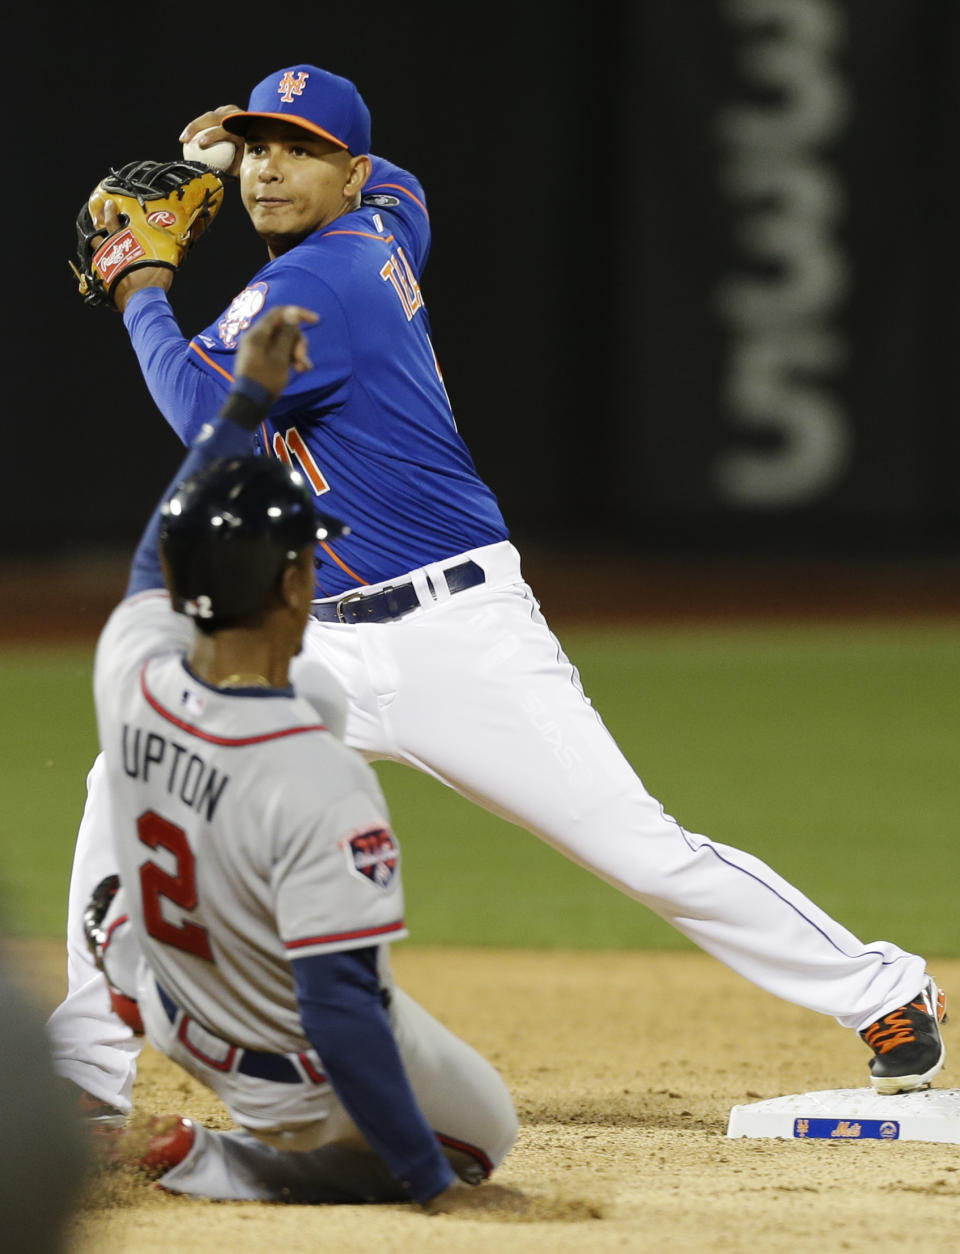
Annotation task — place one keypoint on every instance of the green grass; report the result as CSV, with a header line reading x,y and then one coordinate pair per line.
x,y
830,752
48,740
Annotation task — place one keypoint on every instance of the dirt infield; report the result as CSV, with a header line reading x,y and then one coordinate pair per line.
x,y
624,1067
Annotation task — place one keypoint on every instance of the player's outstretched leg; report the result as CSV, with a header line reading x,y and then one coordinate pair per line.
x,y
185,1157
89,1045
182,1156
529,746
461,1094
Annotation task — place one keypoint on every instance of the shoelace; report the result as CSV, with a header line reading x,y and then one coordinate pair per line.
x,y
893,1029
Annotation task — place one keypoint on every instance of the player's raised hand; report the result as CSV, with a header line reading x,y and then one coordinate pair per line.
x,y
274,346
462,1198
207,132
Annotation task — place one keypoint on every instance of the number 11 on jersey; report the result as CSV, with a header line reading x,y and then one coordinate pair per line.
x,y
292,445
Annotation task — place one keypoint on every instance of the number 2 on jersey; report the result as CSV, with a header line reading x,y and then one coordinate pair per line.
x,y
180,889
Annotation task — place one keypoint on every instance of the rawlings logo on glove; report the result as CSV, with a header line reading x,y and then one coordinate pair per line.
x,y
116,255
164,208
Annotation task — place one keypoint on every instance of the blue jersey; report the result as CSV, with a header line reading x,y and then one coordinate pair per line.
x,y
370,425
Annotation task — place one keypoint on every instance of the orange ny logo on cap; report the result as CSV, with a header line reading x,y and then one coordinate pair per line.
x,y
291,86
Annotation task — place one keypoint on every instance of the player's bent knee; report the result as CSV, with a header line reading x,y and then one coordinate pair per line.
x,y
493,1132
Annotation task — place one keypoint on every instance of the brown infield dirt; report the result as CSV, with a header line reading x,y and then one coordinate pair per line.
x,y
624,1068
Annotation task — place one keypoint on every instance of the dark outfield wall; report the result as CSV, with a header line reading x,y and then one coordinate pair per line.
x,y
694,275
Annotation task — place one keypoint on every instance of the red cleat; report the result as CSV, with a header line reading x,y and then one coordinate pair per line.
x,y
152,1147
171,1140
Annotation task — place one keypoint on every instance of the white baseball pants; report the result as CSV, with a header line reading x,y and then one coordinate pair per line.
x,y
475,690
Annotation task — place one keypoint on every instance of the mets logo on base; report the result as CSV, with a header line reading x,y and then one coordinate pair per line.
x,y
847,1129
372,854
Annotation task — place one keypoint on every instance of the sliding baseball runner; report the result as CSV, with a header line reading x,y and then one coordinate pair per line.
x,y
259,878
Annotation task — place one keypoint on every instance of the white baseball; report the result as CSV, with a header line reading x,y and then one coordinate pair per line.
x,y
218,156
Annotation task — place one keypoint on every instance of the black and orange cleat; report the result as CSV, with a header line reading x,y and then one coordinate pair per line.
x,y
908,1049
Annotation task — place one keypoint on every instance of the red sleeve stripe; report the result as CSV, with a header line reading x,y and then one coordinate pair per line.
x,y
397,187
333,938
227,741
124,918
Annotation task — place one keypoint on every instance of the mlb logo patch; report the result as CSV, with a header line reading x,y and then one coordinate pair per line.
x,y
193,702
373,854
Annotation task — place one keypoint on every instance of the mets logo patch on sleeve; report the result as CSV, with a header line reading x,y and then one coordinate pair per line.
x,y
243,309
373,854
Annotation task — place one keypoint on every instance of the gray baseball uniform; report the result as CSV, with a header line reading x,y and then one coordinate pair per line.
x,y
247,836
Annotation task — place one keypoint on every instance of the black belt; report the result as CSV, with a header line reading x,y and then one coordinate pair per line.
x,y
393,601
263,1066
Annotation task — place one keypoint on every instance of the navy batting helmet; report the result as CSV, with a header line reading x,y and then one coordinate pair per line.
x,y
229,531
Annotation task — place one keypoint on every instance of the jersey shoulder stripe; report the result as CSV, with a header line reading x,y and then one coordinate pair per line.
x,y
227,742
335,937
380,239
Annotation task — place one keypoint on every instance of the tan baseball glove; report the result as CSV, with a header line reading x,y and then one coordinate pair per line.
x,y
164,208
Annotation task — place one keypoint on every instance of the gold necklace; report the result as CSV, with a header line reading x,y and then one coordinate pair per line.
x,y
245,681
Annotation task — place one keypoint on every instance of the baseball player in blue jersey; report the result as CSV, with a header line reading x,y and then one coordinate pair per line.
x,y
422,612
259,880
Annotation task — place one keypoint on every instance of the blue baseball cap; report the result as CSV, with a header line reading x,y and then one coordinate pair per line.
x,y
312,98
